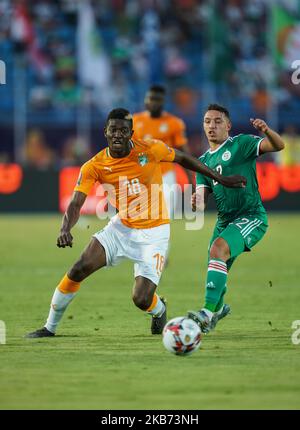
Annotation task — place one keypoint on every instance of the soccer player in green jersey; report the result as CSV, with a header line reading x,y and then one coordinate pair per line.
x,y
242,219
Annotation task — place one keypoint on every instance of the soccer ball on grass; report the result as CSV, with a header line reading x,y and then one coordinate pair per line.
x,y
182,336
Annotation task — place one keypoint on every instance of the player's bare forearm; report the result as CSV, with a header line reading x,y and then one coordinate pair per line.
x,y
192,163
191,179
272,141
185,149
189,162
275,140
70,218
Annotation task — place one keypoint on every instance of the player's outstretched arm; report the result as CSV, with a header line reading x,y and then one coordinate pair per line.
x,y
185,149
189,162
70,218
272,142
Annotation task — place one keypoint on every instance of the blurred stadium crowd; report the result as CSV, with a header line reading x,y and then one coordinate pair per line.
x,y
69,62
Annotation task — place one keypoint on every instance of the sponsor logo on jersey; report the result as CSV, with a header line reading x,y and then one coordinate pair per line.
x,y
108,168
226,156
164,128
143,159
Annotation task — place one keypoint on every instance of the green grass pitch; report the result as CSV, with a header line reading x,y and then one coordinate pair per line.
x,y
104,356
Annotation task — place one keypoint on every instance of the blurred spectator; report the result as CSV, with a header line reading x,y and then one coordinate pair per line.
x,y
261,101
37,154
185,101
75,151
176,65
67,93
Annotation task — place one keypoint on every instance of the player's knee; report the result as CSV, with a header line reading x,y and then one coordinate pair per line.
x,y
219,250
142,301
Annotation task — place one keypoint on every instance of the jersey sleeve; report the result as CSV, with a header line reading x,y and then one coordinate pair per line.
x,y
86,179
161,151
179,133
135,119
201,180
249,145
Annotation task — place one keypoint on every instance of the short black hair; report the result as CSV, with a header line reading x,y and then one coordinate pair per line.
x,y
158,89
120,113
215,106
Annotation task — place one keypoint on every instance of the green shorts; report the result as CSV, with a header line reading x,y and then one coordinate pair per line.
x,y
241,234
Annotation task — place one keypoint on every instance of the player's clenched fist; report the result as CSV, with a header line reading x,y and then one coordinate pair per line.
x,y
259,124
64,239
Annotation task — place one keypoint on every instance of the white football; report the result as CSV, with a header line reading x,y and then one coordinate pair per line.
x,y
181,336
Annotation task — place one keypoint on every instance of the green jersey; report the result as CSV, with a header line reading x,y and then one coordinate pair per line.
x,y
236,156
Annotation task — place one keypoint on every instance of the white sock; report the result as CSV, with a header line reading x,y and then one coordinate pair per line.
x,y
209,313
159,308
59,304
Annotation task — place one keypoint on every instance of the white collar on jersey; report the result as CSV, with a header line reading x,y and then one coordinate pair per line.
x,y
219,147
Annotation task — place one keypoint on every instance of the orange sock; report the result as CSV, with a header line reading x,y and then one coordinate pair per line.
x,y
67,286
153,304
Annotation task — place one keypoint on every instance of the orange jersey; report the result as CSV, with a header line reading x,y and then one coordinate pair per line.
x,y
168,128
133,183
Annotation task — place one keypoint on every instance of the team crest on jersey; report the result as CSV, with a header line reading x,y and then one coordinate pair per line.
x,y
226,156
164,128
143,159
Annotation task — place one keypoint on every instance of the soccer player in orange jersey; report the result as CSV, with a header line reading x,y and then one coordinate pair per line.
x,y
130,170
156,123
